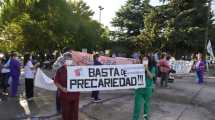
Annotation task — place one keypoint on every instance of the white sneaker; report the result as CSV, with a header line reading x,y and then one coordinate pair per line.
x,y
5,93
97,101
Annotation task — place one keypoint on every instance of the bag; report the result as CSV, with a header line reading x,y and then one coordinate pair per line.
x,y
172,71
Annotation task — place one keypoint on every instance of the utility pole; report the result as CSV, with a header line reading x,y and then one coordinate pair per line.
x,y
100,12
207,27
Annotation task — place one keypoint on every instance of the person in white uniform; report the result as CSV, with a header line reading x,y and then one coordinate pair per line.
x,y
5,71
29,72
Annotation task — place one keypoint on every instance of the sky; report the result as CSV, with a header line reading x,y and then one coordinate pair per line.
x,y
110,8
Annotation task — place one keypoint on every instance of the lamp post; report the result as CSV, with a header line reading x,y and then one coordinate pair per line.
x,y
100,12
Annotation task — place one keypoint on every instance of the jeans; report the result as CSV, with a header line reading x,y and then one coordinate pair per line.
x,y
164,79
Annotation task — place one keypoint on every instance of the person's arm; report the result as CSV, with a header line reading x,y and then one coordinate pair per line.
x,y
57,82
58,63
149,74
19,66
31,66
7,64
59,86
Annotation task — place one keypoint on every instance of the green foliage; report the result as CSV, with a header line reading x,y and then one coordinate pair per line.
x,y
129,22
48,25
178,26
130,17
187,26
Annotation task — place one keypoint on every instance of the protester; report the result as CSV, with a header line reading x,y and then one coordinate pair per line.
x,y
57,65
200,69
29,70
14,73
5,73
164,70
95,94
143,95
170,59
69,100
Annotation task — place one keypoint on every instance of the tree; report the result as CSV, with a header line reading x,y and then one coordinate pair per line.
x,y
129,18
188,26
48,25
177,27
129,22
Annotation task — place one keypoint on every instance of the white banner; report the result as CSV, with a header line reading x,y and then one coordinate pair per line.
x,y
105,77
43,81
210,49
181,66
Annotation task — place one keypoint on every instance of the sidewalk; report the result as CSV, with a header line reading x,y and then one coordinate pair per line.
x,y
185,100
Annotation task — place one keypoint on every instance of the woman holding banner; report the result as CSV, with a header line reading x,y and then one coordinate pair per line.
x,y
69,100
143,95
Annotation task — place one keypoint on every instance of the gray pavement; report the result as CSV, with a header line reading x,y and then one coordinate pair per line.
x,y
185,100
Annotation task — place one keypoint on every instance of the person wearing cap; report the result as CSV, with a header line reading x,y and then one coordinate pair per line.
x,y
69,100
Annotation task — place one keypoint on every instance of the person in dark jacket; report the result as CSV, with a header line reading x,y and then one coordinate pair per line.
x,y
95,94
5,71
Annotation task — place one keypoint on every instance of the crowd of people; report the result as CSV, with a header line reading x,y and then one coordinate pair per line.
x,y
67,103
10,72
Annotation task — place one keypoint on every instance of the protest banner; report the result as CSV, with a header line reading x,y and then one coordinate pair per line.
x,y
181,66
105,77
121,60
43,81
80,58
107,60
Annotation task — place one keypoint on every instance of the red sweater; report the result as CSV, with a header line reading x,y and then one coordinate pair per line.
x,y
61,78
164,66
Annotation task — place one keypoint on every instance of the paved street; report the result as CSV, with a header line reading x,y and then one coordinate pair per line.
x,y
185,100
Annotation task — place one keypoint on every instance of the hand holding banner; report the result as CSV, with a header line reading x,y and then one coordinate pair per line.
x,y
43,81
